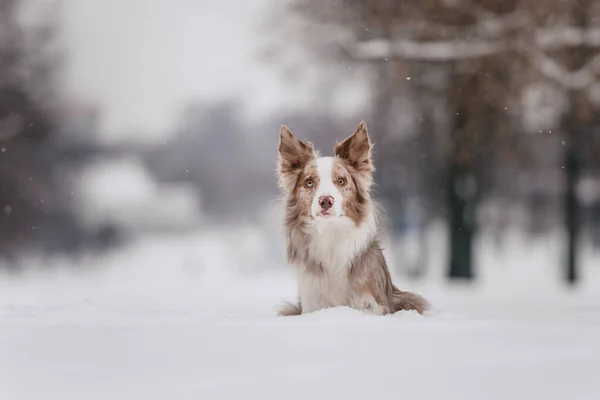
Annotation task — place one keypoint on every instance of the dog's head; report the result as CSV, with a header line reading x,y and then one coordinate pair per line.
x,y
326,188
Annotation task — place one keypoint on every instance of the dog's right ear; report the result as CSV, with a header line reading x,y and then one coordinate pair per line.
x,y
356,150
293,157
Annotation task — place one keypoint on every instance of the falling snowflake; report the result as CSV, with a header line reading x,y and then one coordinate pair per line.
x,y
7,210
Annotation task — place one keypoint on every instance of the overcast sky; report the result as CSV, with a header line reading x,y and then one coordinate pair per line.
x,y
143,60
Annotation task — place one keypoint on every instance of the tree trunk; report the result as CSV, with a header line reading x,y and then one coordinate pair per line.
x,y
578,120
461,184
461,190
572,207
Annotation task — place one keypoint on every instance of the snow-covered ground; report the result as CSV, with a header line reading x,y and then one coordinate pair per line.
x,y
194,318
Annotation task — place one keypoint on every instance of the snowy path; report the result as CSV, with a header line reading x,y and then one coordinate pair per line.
x,y
227,345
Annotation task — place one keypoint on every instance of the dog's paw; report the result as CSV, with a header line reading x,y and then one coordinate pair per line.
x,y
369,305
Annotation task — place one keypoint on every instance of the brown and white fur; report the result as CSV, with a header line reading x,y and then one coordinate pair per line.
x,y
331,226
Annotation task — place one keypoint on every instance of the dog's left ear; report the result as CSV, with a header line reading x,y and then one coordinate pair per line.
x,y
356,150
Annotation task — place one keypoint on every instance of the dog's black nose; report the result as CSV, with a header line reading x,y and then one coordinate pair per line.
x,y
326,202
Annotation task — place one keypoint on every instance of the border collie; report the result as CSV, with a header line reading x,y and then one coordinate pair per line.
x,y
331,227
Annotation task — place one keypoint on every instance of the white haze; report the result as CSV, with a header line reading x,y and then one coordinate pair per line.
x,y
143,61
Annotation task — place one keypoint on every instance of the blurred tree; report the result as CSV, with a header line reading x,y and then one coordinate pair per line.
x,y
573,63
564,49
32,199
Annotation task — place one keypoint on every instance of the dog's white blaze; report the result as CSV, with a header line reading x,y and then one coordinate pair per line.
x,y
337,241
327,187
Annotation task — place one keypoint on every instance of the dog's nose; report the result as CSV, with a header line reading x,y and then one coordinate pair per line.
x,y
326,202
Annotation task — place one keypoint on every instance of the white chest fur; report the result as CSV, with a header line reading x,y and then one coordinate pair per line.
x,y
334,244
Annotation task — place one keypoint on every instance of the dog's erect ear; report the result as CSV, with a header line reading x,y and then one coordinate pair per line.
x,y
293,156
356,150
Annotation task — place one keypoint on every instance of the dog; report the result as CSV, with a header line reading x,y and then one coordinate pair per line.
x,y
331,229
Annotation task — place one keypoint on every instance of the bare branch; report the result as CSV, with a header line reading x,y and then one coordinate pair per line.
x,y
428,51
574,80
488,26
557,38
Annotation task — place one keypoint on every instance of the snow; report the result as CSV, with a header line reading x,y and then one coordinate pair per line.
x,y
192,317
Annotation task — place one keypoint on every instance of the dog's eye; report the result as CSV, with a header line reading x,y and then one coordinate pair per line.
x,y
341,181
309,183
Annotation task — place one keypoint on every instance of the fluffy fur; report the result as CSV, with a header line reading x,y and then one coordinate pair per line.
x,y
331,228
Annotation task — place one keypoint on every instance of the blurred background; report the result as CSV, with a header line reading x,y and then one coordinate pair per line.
x,y
143,135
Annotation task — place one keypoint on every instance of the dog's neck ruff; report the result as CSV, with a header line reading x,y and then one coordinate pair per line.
x,y
336,242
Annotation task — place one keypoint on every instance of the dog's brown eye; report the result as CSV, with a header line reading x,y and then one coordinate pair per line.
x,y
341,181
309,183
